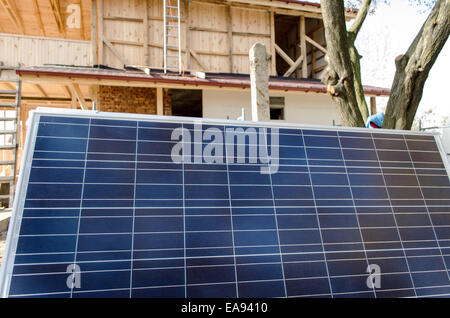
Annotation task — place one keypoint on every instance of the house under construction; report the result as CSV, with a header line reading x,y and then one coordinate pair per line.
x,y
165,57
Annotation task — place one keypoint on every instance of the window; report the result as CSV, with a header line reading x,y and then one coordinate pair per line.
x,y
276,108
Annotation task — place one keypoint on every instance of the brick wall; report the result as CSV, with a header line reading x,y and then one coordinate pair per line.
x,y
138,100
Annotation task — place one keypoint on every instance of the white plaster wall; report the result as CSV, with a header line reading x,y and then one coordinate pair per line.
x,y
301,108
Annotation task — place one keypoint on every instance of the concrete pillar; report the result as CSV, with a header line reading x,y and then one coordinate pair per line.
x,y
259,83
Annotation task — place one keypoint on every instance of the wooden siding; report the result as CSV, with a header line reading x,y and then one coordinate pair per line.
x,y
34,51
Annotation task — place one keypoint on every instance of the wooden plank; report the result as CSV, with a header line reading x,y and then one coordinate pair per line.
x,y
54,4
187,33
373,105
230,39
293,66
159,101
125,19
100,31
315,29
284,55
93,92
303,47
77,92
317,45
37,13
146,35
133,19
289,8
272,43
13,13
73,103
68,91
114,50
83,36
266,35
313,60
94,32
197,58
41,90
203,29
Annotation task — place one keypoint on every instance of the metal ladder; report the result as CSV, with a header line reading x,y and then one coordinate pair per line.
x,y
6,131
172,32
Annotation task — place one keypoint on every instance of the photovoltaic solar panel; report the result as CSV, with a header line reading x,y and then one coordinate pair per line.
x,y
103,210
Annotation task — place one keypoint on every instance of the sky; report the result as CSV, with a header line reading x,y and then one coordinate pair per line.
x,y
387,33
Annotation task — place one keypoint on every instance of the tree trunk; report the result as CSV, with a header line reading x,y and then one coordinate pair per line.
x,y
414,66
342,75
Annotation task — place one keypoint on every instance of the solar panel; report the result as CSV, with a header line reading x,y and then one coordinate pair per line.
x,y
121,205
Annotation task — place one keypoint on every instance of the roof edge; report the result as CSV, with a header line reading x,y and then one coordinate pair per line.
x,y
227,80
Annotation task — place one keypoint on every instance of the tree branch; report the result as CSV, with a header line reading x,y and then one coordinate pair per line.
x,y
414,66
360,17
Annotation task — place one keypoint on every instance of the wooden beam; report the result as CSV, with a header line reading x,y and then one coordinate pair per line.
x,y
187,33
13,13
230,39
41,90
93,92
313,60
204,29
272,43
114,50
303,47
94,43
133,19
315,29
159,101
74,104
77,92
317,45
373,105
83,36
54,4
68,91
100,31
37,13
293,66
146,35
197,58
266,35
283,55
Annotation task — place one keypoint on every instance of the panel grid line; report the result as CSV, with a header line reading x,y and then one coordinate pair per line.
x,y
356,213
184,218
275,210
134,210
81,206
429,216
318,223
231,222
398,231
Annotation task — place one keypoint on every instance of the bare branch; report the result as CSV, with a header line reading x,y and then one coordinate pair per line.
x,y
360,17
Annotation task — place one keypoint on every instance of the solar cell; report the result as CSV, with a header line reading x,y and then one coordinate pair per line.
x,y
104,208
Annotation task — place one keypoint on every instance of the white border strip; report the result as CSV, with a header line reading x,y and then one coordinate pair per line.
x,y
46,111
18,206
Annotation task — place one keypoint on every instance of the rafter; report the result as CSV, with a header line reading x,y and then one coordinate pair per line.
x,y
11,9
68,91
37,12
54,4
41,90
77,92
